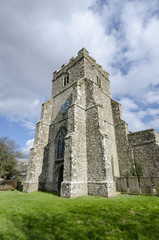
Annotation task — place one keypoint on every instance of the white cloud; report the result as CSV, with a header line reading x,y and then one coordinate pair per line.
x,y
140,37
131,114
134,122
154,123
128,104
26,111
26,150
137,118
152,96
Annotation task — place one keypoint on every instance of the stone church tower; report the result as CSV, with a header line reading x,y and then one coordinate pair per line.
x,y
81,141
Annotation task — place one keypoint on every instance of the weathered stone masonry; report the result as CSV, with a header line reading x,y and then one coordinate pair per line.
x,y
82,144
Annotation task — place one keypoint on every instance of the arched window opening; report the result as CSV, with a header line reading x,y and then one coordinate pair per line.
x,y
66,78
60,144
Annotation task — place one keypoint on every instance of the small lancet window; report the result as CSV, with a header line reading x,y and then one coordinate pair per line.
x,y
98,82
64,81
66,78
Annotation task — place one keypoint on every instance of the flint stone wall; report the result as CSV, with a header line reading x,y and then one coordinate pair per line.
x,y
124,148
145,147
37,152
137,149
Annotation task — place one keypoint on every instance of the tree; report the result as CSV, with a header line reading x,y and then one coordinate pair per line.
x,y
8,158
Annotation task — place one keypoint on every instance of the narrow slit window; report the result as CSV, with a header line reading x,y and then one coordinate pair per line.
x,y
64,81
98,82
66,78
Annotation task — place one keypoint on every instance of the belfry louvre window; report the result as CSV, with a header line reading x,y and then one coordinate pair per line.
x,y
60,144
66,78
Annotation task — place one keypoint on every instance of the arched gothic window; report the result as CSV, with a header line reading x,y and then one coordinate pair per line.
x,y
60,144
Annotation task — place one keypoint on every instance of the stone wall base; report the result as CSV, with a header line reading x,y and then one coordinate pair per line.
x,y
73,189
70,189
30,187
102,188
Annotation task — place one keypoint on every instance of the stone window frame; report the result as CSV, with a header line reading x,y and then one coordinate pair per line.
x,y
66,78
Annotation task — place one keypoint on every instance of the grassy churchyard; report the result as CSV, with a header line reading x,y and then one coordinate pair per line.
x,y
44,216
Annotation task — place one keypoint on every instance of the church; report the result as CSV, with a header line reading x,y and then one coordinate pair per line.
x,y
82,144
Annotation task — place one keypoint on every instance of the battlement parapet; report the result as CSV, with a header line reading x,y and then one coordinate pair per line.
x,y
83,53
142,137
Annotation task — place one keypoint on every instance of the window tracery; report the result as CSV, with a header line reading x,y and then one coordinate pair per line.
x,y
60,144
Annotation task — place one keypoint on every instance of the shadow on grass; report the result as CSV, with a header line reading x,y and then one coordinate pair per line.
x,y
57,194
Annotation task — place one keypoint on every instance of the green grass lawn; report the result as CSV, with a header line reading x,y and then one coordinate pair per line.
x,y
44,216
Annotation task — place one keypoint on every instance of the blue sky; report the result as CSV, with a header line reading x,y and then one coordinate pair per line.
x,y
37,37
